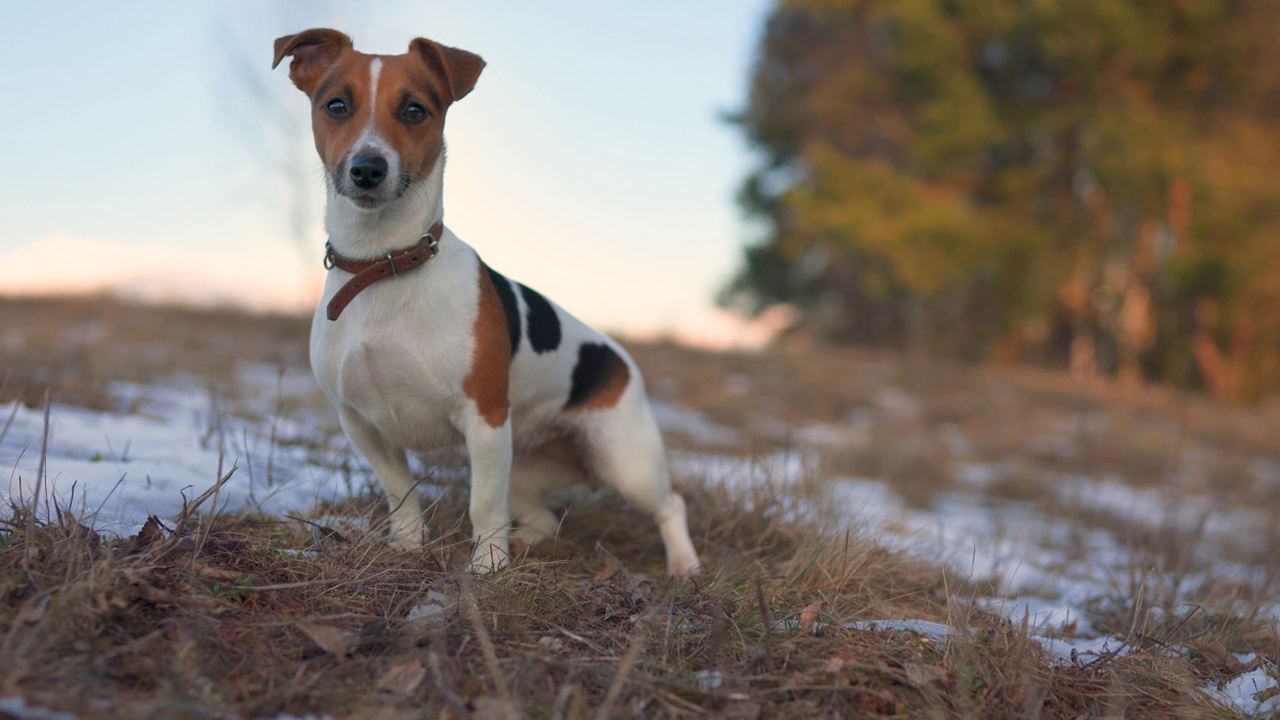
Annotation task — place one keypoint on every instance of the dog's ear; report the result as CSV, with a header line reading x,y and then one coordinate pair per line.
x,y
459,69
314,52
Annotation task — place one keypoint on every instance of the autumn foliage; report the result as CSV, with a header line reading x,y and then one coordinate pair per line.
x,y
1090,182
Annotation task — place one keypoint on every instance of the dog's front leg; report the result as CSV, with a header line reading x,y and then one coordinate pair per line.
x,y
392,469
490,451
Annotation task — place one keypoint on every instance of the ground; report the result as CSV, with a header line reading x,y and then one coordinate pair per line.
x,y
884,536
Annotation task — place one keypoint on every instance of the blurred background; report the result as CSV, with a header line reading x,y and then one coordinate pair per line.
x,y
1087,185
162,157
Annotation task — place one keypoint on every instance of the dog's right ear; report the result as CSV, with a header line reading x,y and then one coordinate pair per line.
x,y
314,52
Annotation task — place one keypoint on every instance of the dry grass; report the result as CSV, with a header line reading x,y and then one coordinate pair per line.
x,y
75,349
251,616
247,616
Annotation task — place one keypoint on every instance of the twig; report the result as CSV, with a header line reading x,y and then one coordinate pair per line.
x,y
207,527
275,421
188,509
486,645
624,669
17,403
194,505
29,550
768,625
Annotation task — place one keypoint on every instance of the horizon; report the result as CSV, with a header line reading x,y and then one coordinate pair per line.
x,y
591,162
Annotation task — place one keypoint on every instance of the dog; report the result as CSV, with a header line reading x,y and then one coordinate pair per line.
x,y
420,345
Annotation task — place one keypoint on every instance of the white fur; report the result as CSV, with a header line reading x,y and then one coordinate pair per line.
x,y
394,364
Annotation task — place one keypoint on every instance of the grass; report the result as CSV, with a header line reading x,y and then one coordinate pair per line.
x,y
241,614
246,616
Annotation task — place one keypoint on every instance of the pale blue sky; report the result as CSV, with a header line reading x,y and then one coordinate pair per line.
x,y
590,161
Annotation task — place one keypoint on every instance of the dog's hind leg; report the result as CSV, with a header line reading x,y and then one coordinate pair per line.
x,y
533,476
392,469
625,451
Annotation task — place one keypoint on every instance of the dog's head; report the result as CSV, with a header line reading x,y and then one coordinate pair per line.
x,y
378,119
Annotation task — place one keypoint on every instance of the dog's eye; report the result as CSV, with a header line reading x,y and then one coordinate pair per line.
x,y
413,113
336,107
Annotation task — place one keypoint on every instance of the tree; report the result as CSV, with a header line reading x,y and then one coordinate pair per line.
x,y
1030,179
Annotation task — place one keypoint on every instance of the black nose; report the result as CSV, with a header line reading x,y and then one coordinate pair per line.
x,y
367,171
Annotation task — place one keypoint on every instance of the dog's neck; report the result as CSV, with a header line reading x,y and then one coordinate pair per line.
x,y
358,233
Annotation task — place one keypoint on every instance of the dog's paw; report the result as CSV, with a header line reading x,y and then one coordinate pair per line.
x,y
533,535
489,558
684,564
408,539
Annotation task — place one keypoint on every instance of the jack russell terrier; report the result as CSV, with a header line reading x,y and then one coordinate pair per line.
x,y
420,345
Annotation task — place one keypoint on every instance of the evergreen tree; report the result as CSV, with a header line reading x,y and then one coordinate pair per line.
x,y
1035,179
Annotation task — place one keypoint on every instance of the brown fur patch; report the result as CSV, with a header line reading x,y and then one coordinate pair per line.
x,y
489,382
406,78
402,79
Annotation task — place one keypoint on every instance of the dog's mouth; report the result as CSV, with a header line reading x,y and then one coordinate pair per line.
x,y
372,198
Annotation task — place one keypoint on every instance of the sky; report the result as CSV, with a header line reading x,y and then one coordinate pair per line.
x,y
151,144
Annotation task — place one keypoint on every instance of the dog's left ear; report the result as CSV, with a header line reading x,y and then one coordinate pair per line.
x,y
314,52
459,68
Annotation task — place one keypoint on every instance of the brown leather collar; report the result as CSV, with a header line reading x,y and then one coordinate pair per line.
x,y
368,272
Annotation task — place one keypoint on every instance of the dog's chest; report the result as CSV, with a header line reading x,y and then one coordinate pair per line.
x,y
397,359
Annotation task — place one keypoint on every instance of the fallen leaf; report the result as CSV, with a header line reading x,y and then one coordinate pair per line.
x,y
33,609
835,664
1218,659
403,678
218,574
809,618
333,640
151,533
77,530
612,566
922,675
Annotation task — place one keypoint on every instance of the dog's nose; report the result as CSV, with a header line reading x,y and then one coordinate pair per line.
x,y
367,171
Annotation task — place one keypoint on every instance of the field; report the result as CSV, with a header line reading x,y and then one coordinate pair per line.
x,y
186,533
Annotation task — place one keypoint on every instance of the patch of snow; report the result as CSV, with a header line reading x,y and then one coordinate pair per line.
x,y
936,632
116,469
17,708
783,468
1253,692
1081,649
434,608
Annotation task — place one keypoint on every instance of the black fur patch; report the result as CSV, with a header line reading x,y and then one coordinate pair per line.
x,y
509,306
598,368
544,326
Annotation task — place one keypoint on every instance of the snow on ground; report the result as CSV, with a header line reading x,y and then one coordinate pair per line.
x,y
118,468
